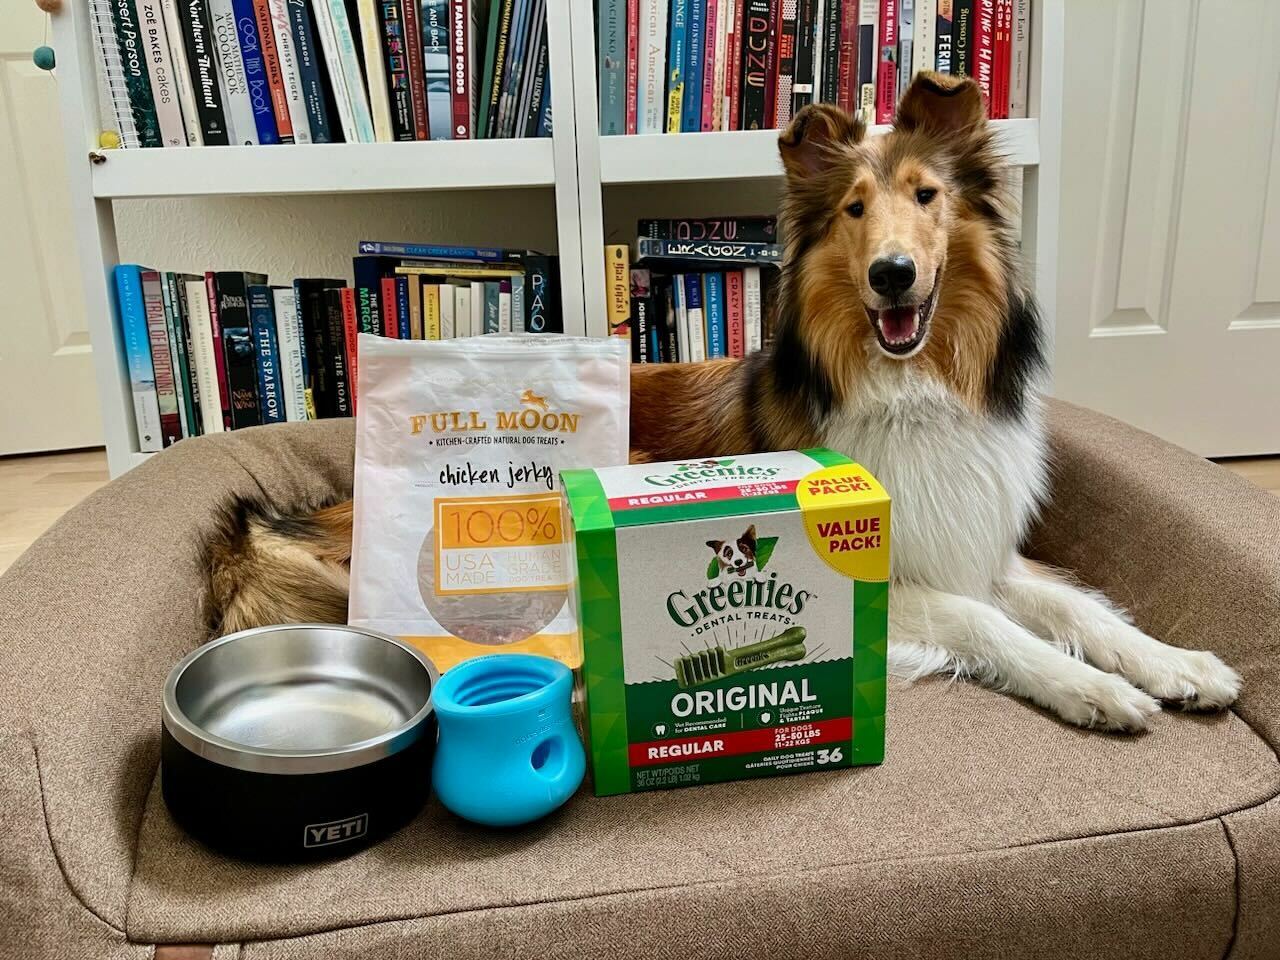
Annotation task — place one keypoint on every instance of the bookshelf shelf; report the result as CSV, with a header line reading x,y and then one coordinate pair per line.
x,y
748,154
324,168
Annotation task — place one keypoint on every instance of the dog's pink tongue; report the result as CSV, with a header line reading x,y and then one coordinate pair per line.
x,y
898,324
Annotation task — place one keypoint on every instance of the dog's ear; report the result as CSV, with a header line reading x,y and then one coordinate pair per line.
x,y
941,103
715,545
750,535
812,141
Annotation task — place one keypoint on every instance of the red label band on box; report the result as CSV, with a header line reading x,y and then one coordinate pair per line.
x,y
794,735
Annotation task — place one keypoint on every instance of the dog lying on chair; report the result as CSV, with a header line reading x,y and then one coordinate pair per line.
x,y
905,337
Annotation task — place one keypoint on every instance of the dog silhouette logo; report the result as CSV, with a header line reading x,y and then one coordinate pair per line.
x,y
531,399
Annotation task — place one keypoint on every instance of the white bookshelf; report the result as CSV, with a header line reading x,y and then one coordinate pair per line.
x,y
577,164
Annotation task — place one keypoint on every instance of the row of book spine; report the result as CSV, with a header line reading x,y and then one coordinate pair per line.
x,y
219,72
684,66
228,350
693,289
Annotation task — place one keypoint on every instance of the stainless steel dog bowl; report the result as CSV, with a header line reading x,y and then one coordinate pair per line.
x,y
297,742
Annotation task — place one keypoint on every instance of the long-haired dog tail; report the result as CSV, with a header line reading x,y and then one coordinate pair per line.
x,y
267,566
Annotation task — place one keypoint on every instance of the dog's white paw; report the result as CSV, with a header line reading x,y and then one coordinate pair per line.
x,y
1189,679
1104,701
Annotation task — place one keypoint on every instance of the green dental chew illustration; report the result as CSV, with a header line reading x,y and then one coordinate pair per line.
x,y
698,668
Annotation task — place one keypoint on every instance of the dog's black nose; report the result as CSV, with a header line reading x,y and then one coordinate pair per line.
x,y
891,276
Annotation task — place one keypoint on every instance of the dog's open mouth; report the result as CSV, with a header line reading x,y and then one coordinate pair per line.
x,y
901,329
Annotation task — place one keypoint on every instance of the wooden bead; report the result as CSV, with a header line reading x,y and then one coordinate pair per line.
x,y
49,6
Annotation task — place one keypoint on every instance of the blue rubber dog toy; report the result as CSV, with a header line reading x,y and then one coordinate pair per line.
x,y
509,752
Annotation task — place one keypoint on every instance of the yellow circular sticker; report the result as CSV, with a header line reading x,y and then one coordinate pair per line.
x,y
846,515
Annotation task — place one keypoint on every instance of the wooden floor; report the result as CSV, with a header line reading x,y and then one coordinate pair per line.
x,y
36,491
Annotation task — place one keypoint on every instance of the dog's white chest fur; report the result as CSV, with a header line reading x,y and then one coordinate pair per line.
x,y
964,486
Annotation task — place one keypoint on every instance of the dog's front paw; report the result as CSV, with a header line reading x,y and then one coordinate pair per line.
x,y
1189,679
1104,701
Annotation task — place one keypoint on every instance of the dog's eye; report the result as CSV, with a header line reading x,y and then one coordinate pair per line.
x,y
925,195
854,209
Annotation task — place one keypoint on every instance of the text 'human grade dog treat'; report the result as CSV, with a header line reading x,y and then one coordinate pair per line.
x,y
459,536
734,617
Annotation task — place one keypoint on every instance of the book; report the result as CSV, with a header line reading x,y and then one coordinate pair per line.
x,y
293,376
395,65
507,100
313,318
755,62
290,75
641,316
807,25
161,359
1019,57
491,293
272,71
137,80
542,278
1003,44
982,47
257,86
413,288
707,251
413,63
752,302
539,86
109,62
462,309
445,294
631,67
219,356
906,38
202,351
691,72
504,306
478,303
681,318
197,36
534,67
435,64
847,96
868,55
225,43
173,334
887,62
962,37
711,33
238,348
431,311
237,106
137,351
693,304
714,311
731,229
182,321
733,66
334,73
923,44
390,304
308,59
335,356
719,74
164,92
368,287
461,68
429,251
942,37
784,65
618,287
676,55
611,63
375,70
498,33
262,317
401,291
735,344
351,344
651,110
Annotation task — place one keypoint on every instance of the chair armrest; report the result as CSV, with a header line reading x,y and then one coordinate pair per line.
x,y
95,614
1189,548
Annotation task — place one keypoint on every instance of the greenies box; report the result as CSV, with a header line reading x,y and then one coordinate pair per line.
x,y
733,616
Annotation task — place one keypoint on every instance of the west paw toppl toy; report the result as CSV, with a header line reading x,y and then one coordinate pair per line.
x,y
508,752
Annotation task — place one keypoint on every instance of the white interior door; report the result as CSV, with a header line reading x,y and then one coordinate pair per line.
x,y
48,399
1169,268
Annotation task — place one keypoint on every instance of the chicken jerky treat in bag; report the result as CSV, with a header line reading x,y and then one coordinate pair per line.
x,y
458,541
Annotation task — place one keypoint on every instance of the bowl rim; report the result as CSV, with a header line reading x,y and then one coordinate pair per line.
x,y
229,753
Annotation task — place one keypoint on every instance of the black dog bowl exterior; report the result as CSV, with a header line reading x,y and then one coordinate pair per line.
x,y
298,743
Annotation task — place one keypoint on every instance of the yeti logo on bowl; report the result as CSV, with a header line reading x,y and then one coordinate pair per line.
x,y
335,831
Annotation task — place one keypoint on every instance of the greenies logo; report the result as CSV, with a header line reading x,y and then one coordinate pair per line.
x,y
700,471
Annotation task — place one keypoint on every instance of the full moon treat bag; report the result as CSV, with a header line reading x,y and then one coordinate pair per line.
x,y
459,538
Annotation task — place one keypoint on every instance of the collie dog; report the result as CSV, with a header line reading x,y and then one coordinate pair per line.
x,y
906,338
